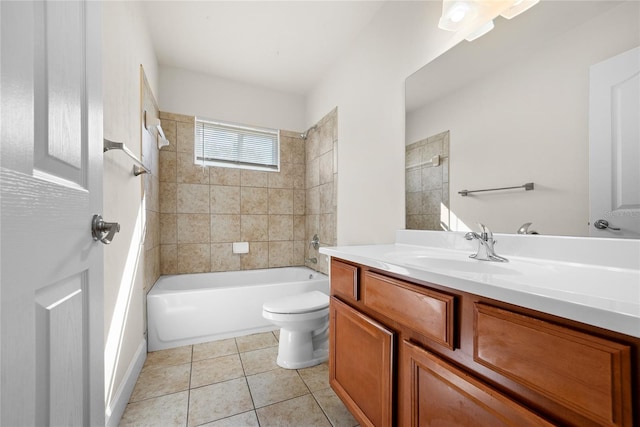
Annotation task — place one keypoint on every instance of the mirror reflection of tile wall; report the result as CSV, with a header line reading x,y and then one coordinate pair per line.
x,y
427,183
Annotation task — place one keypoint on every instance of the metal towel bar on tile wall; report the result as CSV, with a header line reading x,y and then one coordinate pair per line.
x,y
528,186
139,168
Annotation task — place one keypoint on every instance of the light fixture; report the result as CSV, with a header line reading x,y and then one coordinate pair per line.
x,y
480,31
518,7
455,13
474,18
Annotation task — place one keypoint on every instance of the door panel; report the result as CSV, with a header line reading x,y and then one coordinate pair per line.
x,y
614,145
51,305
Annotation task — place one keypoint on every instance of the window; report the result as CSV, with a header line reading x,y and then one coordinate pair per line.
x,y
232,145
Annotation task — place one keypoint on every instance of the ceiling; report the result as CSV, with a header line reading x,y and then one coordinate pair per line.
x,y
281,45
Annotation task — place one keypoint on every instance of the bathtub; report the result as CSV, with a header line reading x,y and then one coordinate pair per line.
x,y
195,308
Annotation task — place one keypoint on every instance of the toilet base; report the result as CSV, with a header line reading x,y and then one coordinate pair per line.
x,y
296,350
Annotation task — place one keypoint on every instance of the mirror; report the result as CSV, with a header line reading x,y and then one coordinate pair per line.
x,y
515,107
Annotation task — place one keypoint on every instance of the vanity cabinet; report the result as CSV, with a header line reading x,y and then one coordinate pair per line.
x,y
361,364
410,353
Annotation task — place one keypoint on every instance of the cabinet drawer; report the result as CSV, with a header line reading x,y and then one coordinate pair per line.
x,y
344,280
438,393
586,374
427,312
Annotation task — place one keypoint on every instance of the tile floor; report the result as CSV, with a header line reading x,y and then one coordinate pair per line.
x,y
233,382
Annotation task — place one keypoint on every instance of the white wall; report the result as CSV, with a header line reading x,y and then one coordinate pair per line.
x,y
126,45
367,86
528,123
196,94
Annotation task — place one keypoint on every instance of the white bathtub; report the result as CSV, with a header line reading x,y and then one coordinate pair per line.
x,y
194,308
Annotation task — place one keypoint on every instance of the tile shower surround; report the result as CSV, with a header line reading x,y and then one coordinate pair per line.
x,y
204,210
427,187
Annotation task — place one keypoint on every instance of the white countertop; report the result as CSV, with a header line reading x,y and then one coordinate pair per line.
x,y
593,281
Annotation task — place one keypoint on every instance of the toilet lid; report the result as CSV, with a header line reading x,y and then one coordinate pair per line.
x,y
301,303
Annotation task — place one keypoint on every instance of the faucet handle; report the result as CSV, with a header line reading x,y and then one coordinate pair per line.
x,y
486,233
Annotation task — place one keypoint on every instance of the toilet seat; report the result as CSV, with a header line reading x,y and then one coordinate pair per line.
x,y
301,303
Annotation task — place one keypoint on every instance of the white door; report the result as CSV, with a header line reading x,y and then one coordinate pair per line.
x,y
614,146
51,313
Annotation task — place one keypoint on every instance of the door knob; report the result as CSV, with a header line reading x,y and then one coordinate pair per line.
x,y
103,231
603,224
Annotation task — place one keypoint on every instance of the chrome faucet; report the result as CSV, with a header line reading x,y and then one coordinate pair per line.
x,y
524,229
485,245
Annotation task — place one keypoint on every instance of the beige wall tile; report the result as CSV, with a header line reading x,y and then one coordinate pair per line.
x,y
225,199
298,176
281,179
298,252
188,172
280,254
326,198
313,200
194,258
223,258
193,228
280,201
297,151
299,202
192,198
327,228
280,227
313,173
152,230
258,256
225,228
168,259
299,227
175,117
254,228
313,225
168,228
249,178
185,137
224,176
152,192
168,166
326,167
254,200
168,196
312,146
170,132
286,148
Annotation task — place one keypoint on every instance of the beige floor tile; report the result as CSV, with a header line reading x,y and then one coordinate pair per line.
x,y
301,411
335,410
256,342
154,382
217,401
258,361
277,334
170,357
169,410
248,419
210,371
209,350
316,377
275,386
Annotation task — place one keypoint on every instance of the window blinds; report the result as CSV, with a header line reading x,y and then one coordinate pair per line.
x,y
226,144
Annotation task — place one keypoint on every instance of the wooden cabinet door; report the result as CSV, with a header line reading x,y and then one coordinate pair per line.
x,y
439,394
361,364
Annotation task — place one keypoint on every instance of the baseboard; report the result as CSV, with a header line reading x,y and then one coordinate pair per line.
x,y
123,394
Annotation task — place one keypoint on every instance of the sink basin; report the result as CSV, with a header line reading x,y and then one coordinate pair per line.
x,y
464,265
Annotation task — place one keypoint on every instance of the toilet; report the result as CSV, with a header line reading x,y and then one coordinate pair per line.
x,y
304,328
